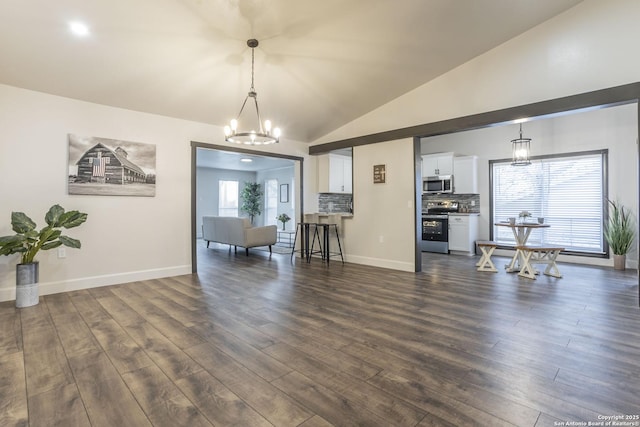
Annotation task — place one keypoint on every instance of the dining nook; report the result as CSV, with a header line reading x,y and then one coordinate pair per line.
x,y
525,255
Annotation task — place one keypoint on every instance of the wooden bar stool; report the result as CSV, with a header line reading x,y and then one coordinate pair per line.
x,y
305,230
325,247
308,232
485,263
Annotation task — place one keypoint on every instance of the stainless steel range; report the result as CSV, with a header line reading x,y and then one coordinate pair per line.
x,y
435,226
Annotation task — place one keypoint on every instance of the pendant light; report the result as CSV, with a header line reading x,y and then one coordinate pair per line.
x,y
521,150
263,134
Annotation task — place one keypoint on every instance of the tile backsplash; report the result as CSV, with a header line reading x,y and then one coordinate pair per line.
x,y
470,201
340,203
334,202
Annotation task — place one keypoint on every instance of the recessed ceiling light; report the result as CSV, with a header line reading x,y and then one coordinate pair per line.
x,y
246,160
79,29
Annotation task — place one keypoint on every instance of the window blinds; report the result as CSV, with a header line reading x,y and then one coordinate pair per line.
x,y
567,191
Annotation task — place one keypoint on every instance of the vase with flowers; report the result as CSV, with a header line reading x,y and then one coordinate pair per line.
x,y
524,215
283,218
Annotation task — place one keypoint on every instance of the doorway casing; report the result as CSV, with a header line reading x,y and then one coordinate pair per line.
x,y
194,149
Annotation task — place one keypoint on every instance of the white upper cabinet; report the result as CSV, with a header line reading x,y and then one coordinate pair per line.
x,y
437,164
465,175
334,174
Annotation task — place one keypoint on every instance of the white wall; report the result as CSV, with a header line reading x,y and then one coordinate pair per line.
x,y
588,47
124,238
382,230
612,128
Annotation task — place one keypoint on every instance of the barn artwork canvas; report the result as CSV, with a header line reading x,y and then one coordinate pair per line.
x,y
110,167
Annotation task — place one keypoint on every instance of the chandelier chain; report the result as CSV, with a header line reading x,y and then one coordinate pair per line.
x,y
263,135
253,49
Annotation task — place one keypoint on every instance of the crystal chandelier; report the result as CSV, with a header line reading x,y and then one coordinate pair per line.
x,y
263,134
521,150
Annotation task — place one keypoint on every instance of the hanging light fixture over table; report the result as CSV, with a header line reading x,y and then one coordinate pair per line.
x,y
521,150
263,135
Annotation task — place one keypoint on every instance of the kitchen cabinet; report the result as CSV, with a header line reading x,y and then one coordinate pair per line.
x,y
465,175
334,174
437,164
463,233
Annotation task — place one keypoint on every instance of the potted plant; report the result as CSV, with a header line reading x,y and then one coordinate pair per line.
x,y
251,199
28,242
619,233
283,218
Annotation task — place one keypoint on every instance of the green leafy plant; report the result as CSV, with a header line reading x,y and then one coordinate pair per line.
x,y
251,196
28,241
619,231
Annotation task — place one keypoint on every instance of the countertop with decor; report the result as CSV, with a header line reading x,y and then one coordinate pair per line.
x,y
342,214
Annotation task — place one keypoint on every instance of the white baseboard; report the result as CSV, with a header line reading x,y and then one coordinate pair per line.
x,y
46,288
384,263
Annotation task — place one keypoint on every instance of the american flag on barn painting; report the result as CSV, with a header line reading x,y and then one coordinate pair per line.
x,y
101,166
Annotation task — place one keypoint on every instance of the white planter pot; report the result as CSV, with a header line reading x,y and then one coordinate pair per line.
x,y
27,292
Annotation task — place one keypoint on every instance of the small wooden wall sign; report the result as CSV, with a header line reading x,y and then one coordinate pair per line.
x,y
379,174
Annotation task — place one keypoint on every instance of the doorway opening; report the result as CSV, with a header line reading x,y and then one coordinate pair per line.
x,y
212,164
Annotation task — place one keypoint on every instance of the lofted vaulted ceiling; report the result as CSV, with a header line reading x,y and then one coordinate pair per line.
x,y
320,64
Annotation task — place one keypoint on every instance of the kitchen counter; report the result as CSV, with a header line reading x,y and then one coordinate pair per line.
x,y
326,217
342,214
455,213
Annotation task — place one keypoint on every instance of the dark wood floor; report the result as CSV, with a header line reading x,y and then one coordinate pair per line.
x,y
257,341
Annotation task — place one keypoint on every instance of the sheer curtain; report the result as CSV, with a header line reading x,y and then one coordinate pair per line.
x,y
228,198
271,202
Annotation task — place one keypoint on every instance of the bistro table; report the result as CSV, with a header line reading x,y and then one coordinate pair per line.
x,y
521,232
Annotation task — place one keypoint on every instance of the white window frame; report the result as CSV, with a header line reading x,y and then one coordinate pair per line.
x,y
550,207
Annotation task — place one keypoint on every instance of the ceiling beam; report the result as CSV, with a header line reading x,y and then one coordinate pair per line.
x,y
617,95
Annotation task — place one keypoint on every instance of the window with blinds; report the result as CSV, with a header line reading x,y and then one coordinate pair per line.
x,y
567,190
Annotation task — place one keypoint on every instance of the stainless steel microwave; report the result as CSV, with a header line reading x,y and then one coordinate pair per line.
x,y
437,184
